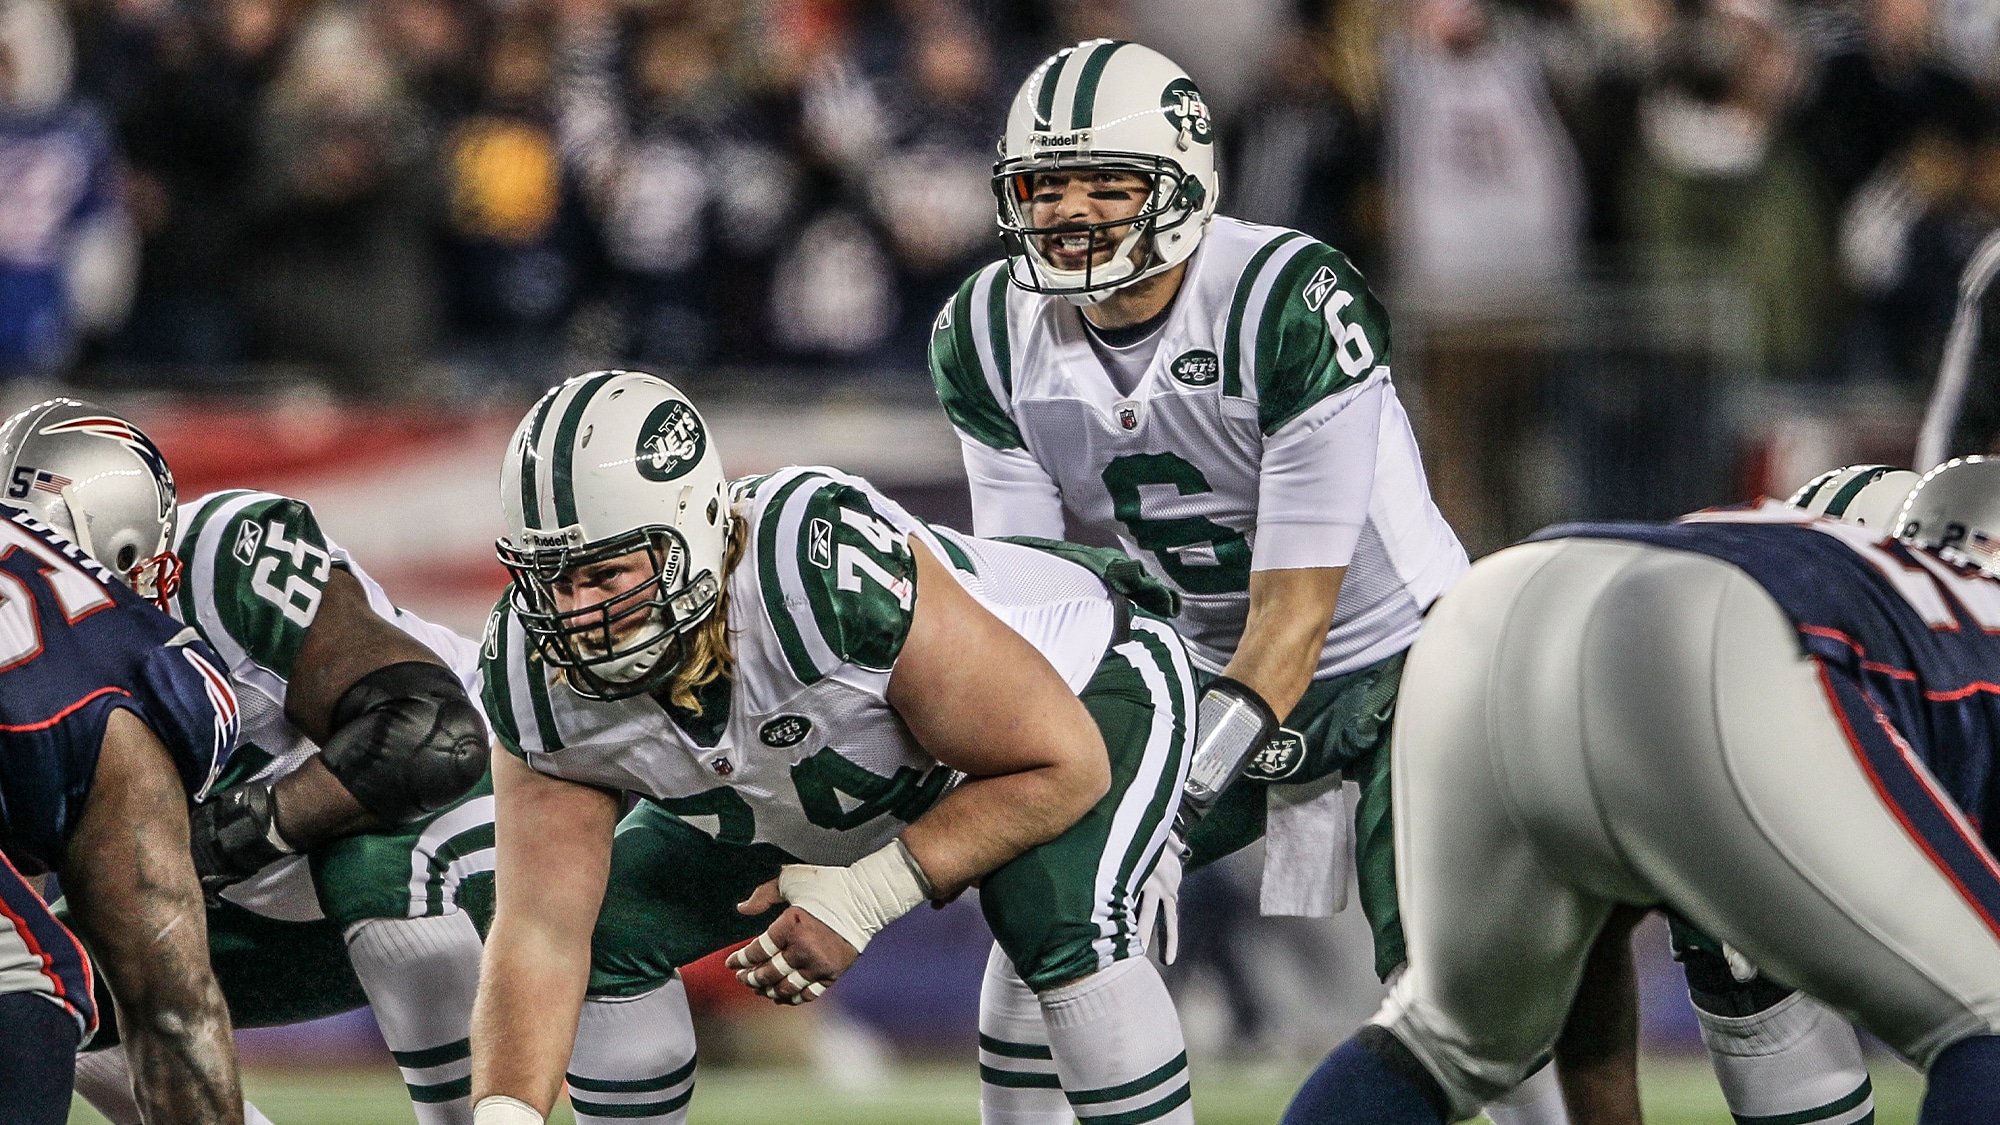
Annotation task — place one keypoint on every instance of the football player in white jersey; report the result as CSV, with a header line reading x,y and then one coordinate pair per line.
x,y
1216,396
1781,728
822,702
334,847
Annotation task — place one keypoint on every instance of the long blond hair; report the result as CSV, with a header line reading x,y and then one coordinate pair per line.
x,y
705,651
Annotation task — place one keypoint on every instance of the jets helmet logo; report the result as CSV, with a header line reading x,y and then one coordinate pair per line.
x,y
671,441
1181,101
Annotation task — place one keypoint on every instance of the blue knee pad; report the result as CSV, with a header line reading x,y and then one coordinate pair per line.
x,y
1964,1084
37,1059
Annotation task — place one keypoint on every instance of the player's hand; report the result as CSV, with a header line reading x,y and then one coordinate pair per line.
x,y
794,960
233,836
1160,902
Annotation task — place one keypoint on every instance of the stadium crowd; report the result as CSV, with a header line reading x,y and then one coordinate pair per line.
x,y
355,183
412,195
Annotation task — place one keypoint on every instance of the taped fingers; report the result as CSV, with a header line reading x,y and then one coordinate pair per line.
x,y
754,954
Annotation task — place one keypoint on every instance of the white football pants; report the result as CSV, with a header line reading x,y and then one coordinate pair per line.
x,y
1589,722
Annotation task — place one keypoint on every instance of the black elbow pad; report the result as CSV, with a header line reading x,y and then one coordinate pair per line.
x,y
406,741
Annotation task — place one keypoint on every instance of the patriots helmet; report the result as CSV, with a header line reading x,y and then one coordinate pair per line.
x,y
1107,105
1870,495
99,480
608,464
1955,511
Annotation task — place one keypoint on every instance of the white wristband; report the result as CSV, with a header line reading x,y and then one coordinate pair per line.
x,y
498,1109
856,901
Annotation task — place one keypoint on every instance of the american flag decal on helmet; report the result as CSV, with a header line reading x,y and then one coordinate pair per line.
x,y
46,481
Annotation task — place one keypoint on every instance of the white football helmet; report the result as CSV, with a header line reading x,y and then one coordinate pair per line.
x,y
98,479
1107,104
1955,511
608,464
1870,495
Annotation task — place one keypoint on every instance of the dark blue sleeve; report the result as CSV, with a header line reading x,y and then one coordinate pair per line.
x,y
186,698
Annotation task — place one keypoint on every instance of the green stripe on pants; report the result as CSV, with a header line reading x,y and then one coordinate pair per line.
x,y
1043,906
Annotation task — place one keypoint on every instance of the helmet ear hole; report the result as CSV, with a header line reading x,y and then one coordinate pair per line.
x,y
128,557
714,509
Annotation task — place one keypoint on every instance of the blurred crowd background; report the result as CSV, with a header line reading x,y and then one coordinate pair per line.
x,y
1641,255
1607,229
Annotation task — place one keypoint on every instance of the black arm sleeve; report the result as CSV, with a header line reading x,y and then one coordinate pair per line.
x,y
406,741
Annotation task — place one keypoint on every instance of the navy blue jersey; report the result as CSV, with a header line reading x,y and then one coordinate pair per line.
x,y
1910,645
75,645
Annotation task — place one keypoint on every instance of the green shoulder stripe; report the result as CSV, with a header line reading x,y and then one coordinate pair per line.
x,y
971,362
496,692
839,581
516,689
1321,331
261,571
194,519
1239,304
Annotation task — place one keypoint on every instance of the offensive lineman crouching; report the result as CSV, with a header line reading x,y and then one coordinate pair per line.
x,y
823,702
360,742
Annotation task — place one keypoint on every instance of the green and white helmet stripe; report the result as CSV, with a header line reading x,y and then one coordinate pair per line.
x,y
1066,94
1870,495
548,460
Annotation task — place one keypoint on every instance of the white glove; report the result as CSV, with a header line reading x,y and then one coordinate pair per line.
x,y
1160,902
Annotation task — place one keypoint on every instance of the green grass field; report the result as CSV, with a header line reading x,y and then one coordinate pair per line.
x,y
1677,1092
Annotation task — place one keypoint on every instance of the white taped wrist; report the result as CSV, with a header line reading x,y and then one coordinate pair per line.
x,y
856,901
498,1109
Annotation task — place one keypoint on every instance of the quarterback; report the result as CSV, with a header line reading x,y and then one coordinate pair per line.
x,y
832,713
1215,396
335,844
1782,728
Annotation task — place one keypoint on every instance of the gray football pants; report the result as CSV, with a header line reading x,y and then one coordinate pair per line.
x,y
1592,722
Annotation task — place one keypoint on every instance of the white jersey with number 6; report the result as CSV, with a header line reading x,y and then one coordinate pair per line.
x,y
1265,435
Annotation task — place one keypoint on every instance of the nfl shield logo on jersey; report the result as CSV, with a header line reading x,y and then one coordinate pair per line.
x,y
1128,415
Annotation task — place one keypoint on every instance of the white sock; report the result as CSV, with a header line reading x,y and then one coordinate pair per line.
x,y
1017,1071
1536,1101
1794,1058
634,1058
420,975
104,1079
1118,1046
